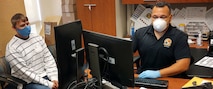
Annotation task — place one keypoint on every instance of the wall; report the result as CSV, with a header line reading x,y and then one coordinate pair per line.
x,y
132,7
50,8
120,19
8,8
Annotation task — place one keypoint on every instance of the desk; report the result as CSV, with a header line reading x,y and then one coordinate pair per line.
x,y
174,83
199,52
205,45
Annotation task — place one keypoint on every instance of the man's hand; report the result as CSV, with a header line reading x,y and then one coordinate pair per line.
x,y
55,84
150,74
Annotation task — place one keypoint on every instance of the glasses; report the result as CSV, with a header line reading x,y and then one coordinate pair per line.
x,y
162,17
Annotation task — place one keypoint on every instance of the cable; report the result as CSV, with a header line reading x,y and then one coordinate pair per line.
x,y
71,84
91,83
75,86
87,85
105,68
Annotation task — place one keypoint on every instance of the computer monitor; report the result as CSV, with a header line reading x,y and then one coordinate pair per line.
x,y
115,57
68,39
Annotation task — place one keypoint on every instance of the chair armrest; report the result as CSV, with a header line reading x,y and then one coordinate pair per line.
x,y
12,78
3,79
136,58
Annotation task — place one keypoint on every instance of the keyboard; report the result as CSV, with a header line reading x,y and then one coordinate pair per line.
x,y
151,83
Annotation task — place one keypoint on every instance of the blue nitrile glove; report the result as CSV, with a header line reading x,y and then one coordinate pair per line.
x,y
150,74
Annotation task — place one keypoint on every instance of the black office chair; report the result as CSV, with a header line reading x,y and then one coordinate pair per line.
x,y
136,60
6,80
52,50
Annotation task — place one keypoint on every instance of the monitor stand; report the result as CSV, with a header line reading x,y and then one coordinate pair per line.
x,y
80,64
95,70
94,63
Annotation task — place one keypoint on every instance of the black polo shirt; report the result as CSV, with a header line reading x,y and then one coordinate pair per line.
x,y
157,54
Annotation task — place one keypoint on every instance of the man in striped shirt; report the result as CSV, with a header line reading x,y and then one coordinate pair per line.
x,y
29,57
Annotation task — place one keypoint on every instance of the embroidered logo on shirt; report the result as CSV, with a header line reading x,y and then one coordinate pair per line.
x,y
167,42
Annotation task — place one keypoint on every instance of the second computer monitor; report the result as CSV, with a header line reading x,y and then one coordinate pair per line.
x,y
115,57
68,40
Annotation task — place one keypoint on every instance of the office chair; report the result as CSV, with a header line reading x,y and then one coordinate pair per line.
x,y
136,60
5,75
52,50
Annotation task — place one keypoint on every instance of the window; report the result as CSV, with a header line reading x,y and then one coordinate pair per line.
x,y
33,13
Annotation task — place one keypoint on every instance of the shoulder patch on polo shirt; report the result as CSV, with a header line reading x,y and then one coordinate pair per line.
x,y
167,42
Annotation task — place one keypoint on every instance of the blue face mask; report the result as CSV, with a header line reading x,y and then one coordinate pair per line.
x,y
25,32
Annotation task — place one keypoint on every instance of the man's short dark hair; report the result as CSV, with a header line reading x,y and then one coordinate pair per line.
x,y
162,4
17,17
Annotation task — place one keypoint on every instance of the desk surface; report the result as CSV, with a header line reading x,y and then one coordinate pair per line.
x,y
174,83
204,45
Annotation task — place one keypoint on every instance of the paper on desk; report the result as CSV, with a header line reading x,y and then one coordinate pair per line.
x,y
143,88
198,80
205,61
209,18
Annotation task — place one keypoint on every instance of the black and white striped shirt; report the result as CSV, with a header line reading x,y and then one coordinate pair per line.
x,y
30,60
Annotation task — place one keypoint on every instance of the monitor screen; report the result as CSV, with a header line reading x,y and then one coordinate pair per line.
x,y
115,57
68,40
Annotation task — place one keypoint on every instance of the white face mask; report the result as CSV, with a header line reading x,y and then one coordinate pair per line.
x,y
159,25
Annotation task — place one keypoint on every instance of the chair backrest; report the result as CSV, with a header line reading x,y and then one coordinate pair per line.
x,y
6,78
4,69
52,50
4,66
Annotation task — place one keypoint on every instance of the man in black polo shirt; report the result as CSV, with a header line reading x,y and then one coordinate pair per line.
x,y
163,49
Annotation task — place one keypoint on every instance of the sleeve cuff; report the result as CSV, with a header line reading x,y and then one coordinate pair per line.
x,y
54,78
50,85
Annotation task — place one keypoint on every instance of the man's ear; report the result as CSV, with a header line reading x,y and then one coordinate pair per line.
x,y
13,28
